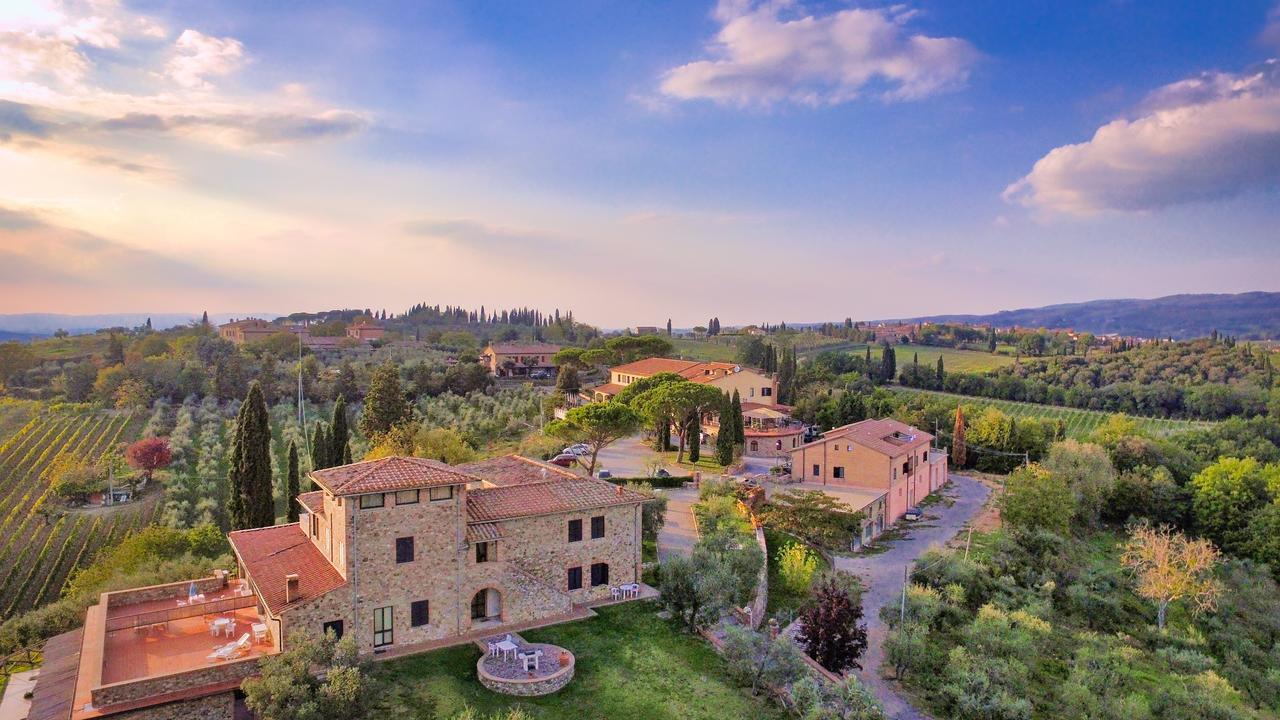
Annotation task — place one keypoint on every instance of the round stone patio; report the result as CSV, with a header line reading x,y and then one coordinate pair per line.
x,y
509,677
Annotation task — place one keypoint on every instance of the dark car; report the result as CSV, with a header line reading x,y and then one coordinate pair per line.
x,y
563,460
912,514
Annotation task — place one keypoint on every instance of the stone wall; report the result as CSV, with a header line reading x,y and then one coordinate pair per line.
x,y
162,592
212,707
527,688
540,545
131,690
524,597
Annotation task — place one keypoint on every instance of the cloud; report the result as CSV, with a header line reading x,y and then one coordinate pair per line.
x,y
1208,137
247,129
198,56
32,56
35,252
474,235
774,52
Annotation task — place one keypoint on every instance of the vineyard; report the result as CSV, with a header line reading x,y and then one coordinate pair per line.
x,y
1079,423
39,547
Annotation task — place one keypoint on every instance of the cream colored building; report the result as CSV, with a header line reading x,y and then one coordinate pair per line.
x,y
752,385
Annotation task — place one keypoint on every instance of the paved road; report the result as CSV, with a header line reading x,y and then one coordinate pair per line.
x,y
882,576
678,535
628,456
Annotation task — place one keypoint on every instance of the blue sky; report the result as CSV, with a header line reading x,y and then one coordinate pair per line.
x,y
791,161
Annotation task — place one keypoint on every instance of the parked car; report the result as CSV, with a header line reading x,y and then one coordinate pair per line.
x,y
576,450
912,514
539,374
662,473
564,460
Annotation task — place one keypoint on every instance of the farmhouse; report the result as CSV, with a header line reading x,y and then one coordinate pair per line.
x,y
406,554
248,330
752,385
364,329
519,359
889,461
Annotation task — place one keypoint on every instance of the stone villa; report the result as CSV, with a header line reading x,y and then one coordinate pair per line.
x,y
405,554
520,359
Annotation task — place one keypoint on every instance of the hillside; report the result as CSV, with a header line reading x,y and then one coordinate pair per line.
x,y
1250,316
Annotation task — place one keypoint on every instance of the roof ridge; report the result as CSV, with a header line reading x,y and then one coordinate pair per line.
x,y
264,527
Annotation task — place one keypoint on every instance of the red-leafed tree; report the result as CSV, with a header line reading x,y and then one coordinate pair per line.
x,y
149,455
832,631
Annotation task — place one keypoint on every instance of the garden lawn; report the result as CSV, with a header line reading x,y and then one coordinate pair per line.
x,y
706,461
953,360
704,350
782,601
631,664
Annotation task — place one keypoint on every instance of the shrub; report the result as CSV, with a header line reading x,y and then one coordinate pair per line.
x,y
796,566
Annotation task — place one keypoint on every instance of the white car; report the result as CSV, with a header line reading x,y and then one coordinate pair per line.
x,y
576,450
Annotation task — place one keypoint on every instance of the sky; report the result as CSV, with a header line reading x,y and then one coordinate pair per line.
x,y
757,161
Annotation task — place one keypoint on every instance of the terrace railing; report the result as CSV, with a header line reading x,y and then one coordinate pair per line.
x,y
153,617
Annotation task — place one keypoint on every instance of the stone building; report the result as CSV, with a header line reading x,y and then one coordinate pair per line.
x,y
405,554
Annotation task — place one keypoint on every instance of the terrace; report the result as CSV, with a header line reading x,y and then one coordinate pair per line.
x,y
173,641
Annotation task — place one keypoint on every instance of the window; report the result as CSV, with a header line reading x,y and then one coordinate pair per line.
x,y
599,574
766,392
575,578
335,627
597,527
837,472
404,549
575,530
752,392
895,473
755,446
906,467
383,625
419,613
817,470
407,497
777,444
375,500
436,494
482,552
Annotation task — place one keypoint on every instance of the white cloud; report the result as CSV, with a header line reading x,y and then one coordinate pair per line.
x,y
1209,137
775,52
28,56
198,56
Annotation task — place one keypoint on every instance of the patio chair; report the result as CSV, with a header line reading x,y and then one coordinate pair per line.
x,y
493,648
230,650
615,593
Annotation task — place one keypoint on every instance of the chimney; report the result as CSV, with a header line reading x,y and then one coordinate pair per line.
x,y
618,488
290,587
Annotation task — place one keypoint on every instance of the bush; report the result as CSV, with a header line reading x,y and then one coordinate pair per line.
x,y
667,483
796,566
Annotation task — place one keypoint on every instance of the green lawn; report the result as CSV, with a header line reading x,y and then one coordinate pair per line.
x,y
631,664
781,600
705,350
706,461
952,360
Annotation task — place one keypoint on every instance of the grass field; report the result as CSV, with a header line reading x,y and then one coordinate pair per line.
x,y
41,545
704,350
1079,423
952,360
631,665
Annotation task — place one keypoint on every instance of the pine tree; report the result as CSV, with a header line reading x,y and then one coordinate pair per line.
x,y
739,425
888,363
115,350
292,485
249,501
345,385
339,432
384,405
959,453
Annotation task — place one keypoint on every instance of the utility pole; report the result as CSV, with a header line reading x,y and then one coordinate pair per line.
x,y
902,612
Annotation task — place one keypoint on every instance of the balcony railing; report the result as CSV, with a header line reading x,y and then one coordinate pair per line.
x,y
153,617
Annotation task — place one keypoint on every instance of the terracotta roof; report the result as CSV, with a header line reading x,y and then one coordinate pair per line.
x,y
886,436
748,406
653,366
500,503
269,554
483,532
609,389
516,470
54,693
708,371
524,348
387,474
312,501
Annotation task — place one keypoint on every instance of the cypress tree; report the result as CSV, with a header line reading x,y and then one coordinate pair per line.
x,y
384,404
340,434
959,453
941,373
292,486
249,500
727,434
346,454
739,427
319,448
694,433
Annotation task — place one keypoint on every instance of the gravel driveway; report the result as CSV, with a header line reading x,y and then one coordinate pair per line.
x,y
882,575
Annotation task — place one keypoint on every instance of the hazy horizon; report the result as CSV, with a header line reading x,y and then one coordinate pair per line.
x,y
753,161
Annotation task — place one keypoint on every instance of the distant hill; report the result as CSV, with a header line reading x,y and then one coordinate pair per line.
x,y
6,336
1250,316
42,324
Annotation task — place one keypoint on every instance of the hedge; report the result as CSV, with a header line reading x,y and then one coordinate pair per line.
x,y
675,481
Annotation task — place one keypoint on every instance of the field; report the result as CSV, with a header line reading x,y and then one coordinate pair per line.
x,y
39,546
631,665
952,360
704,350
1079,423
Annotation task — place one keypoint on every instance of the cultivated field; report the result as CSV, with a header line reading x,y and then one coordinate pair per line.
x,y
39,544
952,360
1079,423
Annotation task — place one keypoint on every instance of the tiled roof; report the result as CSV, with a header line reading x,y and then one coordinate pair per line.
x,y
388,474
516,470
708,371
500,503
312,501
483,532
524,349
653,366
269,554
879,435
609,389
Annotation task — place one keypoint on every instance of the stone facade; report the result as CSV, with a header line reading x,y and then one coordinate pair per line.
x,y
132,690
211,707
541,546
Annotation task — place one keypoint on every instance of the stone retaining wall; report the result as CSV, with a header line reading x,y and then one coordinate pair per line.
x,y
164,592
524,687
131,690
213,707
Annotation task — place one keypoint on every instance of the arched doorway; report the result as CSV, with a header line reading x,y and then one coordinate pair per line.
x,y
486,605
